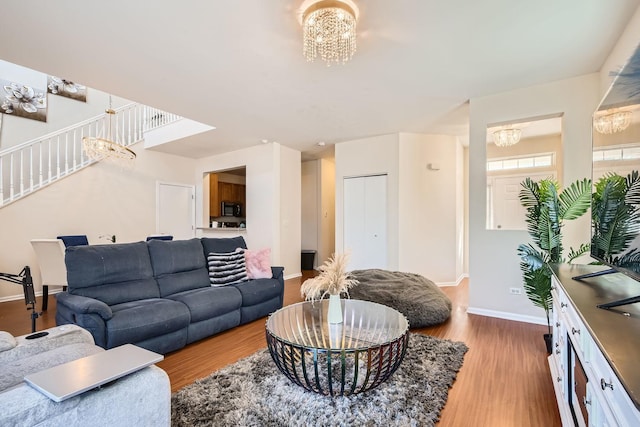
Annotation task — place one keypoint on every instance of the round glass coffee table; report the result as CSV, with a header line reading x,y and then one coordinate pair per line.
x,y
337,359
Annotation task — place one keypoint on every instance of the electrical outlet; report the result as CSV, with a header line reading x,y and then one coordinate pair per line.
x,y
515,291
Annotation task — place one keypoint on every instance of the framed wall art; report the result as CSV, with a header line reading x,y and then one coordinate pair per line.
x,y
21,100
66,88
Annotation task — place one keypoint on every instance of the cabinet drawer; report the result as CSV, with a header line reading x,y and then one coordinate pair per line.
x,y
607,385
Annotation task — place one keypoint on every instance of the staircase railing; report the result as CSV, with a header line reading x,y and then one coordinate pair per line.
x,y
34,164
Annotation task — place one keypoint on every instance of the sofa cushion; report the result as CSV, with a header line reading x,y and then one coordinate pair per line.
x,y
227,268
178,265
209,302
139,320
258,290
113,273
221,245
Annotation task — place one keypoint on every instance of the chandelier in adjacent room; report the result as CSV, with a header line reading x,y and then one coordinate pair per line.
x,y
329,29
612,122
106,145
506,137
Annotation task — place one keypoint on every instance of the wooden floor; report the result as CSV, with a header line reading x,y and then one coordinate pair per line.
x,y
504,381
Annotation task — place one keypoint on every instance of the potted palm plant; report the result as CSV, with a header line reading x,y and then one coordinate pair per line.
x,y
615,216
547,209
333,280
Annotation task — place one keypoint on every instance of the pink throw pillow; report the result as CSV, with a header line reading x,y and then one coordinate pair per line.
x,y
258,263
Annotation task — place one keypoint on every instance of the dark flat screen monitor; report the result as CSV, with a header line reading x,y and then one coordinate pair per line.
x,y
615,208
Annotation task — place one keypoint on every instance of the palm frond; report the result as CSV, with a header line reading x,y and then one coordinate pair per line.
x,y
575,200
576,253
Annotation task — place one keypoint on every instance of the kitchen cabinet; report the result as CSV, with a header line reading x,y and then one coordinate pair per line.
x,y
220,191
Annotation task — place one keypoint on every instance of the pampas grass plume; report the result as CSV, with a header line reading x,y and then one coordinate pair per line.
x,y
333,279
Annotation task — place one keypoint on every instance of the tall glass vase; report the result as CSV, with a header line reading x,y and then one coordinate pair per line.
x,y
335,309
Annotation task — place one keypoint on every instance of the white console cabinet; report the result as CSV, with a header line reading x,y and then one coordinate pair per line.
x,y
595,360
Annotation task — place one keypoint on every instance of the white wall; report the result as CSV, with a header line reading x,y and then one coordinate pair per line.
x,y
494,264
289,215
425,207
318,208
370,156
431,207
266,185
99,200
61,112
327,231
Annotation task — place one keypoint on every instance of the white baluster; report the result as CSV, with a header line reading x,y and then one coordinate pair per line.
x,y
40,165
58,157
31,169
11,178
21,171
74,149
66,153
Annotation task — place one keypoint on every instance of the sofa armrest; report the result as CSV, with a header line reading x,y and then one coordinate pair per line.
x,y
84,305
140,398
278,273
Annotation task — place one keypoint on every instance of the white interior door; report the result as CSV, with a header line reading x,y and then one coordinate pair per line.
x,y
365,221
175,210
506,211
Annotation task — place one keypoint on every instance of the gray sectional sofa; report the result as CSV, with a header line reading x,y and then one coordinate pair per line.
x,y
142,398
157,294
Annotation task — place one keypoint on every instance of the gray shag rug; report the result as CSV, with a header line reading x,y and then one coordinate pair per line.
x,y
415,296
253,392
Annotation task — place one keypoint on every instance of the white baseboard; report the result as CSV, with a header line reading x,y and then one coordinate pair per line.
x,y
292,276
21,296
508,316
456,283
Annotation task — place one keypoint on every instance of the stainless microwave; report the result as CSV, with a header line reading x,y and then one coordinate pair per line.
x,y
231,209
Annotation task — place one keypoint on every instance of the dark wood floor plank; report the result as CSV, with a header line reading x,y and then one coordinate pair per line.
x,y
504,381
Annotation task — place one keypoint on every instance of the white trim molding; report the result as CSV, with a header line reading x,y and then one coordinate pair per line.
x,y
507,316
456,283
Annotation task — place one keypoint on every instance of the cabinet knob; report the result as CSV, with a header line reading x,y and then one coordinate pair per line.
x,y
557,344
558,351
604,385
553,287
557,324
559,379
563,305
575,331
585,401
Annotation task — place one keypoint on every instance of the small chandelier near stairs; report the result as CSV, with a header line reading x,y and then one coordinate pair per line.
x,y
105,146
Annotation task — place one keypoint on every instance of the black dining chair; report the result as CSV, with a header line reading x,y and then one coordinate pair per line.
x,y
74,240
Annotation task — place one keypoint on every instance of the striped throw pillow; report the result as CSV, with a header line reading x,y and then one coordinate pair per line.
x,y
227,268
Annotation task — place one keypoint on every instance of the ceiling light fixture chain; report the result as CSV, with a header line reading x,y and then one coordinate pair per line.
x,y
329,31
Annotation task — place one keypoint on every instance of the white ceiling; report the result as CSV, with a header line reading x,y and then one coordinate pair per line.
x,y
238,65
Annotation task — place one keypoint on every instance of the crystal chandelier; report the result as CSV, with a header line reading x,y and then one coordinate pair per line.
x,y
613,122
107,147
329,29
506,137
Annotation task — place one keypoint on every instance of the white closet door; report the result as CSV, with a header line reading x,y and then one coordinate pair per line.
x,y
365,221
